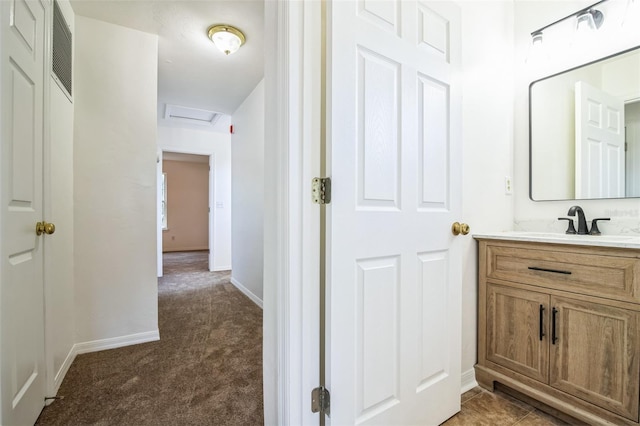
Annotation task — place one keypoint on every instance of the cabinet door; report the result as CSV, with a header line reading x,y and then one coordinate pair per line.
x,y
517,325
595,356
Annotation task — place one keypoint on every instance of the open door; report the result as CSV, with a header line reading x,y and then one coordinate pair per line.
x,y
600,150
22,383
632,133
394,267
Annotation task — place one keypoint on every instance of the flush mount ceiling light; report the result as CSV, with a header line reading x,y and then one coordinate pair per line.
x,y
226,38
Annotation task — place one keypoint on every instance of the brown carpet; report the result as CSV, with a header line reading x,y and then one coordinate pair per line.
x,y
205,370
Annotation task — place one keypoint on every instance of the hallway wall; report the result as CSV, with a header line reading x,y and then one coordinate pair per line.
x,y
115,185
60,321
247,194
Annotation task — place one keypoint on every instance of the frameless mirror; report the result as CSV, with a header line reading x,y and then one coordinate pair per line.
x,y
584,131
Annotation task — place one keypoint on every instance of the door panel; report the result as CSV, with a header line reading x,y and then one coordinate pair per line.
x,y
377,94
433,122
600,149
377,336
433,285
596,357
394,266
21,296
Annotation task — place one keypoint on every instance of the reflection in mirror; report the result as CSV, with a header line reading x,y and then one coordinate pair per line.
x,y
585,131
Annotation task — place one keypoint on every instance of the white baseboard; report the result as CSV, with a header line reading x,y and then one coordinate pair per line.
x,y
221,268
64,368
179,249
468,380
247,292
115,342
100,345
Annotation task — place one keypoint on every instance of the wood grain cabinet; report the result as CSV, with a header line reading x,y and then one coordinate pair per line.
x,y
561,324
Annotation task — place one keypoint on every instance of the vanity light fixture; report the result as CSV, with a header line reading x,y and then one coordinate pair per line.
x,y
587,18
226,38
536,38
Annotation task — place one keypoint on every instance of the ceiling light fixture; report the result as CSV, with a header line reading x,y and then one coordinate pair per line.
x,y
226,38
588,18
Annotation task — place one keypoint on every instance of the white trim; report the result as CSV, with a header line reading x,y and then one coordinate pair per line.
x,y
221,268
159,228
181,249
115,342
255,299
64,368
162,148
291,234
468,380
100,345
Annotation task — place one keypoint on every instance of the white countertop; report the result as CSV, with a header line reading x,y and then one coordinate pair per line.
x,y
623,241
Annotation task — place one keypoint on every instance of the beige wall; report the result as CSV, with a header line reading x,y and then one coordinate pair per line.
x,y
187,206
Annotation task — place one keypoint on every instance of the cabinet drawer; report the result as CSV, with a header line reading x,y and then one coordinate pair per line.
x,y
613,277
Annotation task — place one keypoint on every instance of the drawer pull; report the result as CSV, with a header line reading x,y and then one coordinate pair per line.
x,y
554,338
555,271
541,324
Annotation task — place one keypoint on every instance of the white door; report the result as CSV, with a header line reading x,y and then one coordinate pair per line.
x,y
632,136
394,281
600,155
21,293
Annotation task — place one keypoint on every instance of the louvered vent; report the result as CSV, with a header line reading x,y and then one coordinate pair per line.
x,y
62,59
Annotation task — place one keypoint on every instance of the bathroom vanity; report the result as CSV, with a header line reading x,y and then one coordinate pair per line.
x,y
559,321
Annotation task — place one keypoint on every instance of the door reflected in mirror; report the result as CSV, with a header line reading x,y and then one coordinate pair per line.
x,y
584,131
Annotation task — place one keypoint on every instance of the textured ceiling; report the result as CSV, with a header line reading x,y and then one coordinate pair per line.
x,y
192,72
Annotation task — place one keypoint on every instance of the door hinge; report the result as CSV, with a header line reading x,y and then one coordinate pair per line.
x,y
320,400
321,190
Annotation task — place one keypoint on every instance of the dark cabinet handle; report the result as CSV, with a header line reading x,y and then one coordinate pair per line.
x,y
541,323
554,338
555,271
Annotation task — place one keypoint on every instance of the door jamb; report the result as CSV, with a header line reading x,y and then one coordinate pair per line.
x,y
211,201
291,232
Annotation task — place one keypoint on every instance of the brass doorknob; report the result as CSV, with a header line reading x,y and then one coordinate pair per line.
x,y
460,228
45,228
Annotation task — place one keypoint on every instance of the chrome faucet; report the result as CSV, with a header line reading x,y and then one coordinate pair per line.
x,y
582,221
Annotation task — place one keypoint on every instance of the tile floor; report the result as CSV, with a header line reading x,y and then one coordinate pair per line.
x,y
480,407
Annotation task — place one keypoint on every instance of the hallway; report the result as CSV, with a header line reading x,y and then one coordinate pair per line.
x,y
206,368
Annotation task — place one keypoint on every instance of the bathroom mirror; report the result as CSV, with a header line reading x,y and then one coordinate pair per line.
x,y
584,131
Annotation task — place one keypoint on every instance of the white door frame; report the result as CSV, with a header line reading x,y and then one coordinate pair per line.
x,y
211,201
291,233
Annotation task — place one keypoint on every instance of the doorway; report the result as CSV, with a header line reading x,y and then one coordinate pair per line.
x,y
185,203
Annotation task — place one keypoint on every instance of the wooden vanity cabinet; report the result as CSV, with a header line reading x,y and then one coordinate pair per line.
x,y
540,334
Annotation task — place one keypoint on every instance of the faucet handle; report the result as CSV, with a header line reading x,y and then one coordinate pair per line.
x,y
570,229
594,225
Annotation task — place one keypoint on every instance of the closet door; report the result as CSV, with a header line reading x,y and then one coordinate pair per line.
x,y
22,59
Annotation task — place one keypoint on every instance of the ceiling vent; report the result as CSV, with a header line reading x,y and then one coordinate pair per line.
x,y
62,59
191,115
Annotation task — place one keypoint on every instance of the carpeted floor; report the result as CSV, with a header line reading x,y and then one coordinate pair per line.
x,y
205,370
